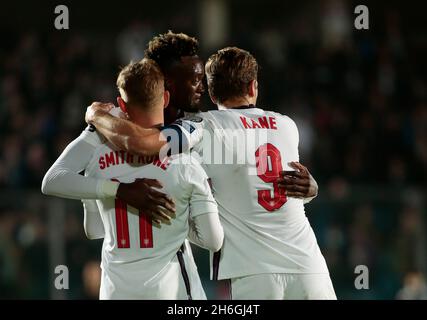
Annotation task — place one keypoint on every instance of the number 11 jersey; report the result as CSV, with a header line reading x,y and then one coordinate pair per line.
x,y
140,260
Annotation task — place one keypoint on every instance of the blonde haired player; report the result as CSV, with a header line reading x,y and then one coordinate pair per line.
x,y
141,260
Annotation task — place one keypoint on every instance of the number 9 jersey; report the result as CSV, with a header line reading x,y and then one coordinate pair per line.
x,y
243,150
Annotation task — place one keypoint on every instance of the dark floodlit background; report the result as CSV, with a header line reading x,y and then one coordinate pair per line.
x,y
359,99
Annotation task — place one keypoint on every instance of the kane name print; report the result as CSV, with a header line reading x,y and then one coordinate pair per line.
x,y
260,123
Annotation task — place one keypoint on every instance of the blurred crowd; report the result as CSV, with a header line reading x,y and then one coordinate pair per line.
x,y
359,100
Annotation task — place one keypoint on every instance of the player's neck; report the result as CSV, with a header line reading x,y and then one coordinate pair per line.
x,y
174,112
150,119
171,113
237,102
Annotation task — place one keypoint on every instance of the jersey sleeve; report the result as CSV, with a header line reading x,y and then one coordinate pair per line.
x,y
206,231
201,198
64,178
92,222
295,134
184,134
205,228
91,136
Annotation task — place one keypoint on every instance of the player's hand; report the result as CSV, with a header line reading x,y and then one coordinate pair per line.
x,y
142,195
95,108
298,183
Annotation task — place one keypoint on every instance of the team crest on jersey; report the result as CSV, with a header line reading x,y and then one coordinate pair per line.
x,y
184,124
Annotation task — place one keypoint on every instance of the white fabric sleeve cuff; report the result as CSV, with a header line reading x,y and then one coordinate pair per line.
x,y
107,188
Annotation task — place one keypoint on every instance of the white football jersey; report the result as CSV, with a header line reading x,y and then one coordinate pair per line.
x,y
242,151
136,255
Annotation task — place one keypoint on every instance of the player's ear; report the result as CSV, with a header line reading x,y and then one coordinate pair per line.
x,y
122,104
166,98
212,98
253,88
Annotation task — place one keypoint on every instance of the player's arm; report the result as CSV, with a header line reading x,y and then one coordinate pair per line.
x,y
64,180
205,227
206,232
299,183
92,222
122,133
179,137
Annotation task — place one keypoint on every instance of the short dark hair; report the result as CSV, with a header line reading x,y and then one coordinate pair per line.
x,y
229,72
170,47
142,82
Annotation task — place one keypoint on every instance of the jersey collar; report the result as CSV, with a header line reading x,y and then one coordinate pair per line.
x,y
248,106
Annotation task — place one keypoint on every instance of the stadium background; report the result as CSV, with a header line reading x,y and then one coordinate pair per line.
x,y
359,99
